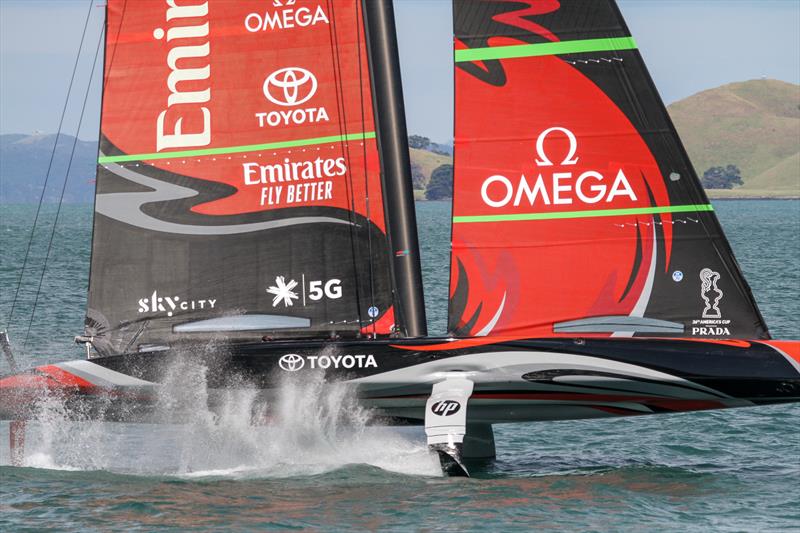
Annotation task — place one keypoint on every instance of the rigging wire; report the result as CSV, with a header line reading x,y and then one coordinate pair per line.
x,y
359,23
64,186
116,40
50,166
345,144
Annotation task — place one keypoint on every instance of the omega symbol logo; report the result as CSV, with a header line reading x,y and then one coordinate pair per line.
x,y
570,158
291,362
445,407
290,86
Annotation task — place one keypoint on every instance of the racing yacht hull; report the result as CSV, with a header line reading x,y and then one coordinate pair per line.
x,y
515,380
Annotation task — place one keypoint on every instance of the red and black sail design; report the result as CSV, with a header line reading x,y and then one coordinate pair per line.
x,y
238,188
576,209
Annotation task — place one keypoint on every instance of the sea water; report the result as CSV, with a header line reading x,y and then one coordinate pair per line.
x,y
318,464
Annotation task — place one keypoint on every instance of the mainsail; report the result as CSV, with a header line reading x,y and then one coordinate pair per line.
x,y
576,209
238,187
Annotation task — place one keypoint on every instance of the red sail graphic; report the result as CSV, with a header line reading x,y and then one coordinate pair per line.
x,y
589,271
572,190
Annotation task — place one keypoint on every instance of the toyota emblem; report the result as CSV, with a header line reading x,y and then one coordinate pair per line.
x,y
291,362
290,86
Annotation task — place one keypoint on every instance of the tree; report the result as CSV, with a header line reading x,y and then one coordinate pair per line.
x,y
418,177
722,177
440,185
418,141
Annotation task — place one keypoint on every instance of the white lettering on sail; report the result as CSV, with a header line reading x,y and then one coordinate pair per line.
x,y
255,173
176,137
598,188
559,188
286,18
538,190
272,175
621,187
297,116
171,305
506,184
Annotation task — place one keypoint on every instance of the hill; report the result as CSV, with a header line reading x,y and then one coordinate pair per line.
x,y
23,166
425,162
754,125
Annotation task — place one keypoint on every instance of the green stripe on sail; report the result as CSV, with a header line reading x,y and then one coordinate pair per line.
x,y
237,149
694,208
607,44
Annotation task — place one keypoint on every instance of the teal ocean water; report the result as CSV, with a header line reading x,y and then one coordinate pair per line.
x,y
320,466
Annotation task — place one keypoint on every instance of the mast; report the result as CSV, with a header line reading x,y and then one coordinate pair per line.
x,y
398,197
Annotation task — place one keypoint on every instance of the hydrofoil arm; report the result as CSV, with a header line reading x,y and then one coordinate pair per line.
x,y
446,422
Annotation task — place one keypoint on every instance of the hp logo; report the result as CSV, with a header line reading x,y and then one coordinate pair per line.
x,y
445,407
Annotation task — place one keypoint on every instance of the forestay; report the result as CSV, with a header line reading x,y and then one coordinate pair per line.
x,y
576,210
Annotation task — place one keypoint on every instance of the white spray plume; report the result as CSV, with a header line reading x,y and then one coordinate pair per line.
x,y
306,426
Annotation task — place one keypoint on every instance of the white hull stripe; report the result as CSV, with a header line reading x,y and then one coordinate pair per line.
x,y
101,376
508,367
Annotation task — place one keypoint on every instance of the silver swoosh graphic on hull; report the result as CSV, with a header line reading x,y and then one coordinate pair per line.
x,y
500,368
126,208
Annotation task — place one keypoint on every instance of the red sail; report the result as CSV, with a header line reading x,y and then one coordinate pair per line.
x,y
235,79
576,211
238,165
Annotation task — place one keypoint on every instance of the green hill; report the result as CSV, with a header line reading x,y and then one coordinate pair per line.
x,y
754,125
423,163
428,161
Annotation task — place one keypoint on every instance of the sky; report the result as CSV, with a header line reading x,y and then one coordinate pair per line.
x,y
688,45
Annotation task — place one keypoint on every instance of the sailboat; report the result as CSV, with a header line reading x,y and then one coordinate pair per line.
x,y
254,193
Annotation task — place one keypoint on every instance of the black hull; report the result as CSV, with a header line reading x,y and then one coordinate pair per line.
x,y
515,380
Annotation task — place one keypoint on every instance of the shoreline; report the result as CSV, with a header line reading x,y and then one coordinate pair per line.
x,y
725,198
